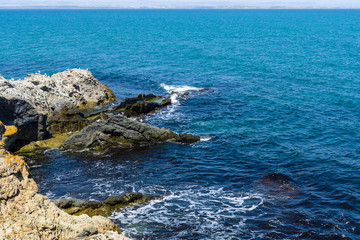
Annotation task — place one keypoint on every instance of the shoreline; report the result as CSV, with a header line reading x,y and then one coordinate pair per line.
x,y
50,117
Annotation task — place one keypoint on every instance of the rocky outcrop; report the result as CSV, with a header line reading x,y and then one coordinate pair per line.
x,y
26,214
38,101
92,208
142,104
118,129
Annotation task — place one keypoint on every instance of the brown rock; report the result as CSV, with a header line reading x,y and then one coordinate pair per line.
x,y
26,214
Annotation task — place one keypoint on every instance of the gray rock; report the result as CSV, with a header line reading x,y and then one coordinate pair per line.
x,y
126,198
112,203
118,129
28,103
142,104
74,202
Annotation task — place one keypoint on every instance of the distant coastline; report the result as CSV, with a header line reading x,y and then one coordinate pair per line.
x,y
173,8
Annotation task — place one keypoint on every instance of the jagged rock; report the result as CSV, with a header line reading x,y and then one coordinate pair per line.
x,y
92,208
26,214
71,120
142,104
118,129
27,103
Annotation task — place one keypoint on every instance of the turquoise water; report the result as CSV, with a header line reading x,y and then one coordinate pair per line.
x,y
283,98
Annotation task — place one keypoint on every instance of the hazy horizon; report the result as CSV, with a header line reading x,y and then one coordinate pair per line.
x,y
171,4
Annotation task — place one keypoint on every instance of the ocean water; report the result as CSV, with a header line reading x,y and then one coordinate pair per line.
x,y
279,117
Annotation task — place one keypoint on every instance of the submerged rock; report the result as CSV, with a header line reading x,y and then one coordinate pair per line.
x,y
75,206
118,129
142,104
278,183
29,103
26,214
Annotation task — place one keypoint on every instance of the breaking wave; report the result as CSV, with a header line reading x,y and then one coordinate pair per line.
x,y
198,213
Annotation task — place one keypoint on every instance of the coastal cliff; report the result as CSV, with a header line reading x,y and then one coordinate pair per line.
x,y
26,214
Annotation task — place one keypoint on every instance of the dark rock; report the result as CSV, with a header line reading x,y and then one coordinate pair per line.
x,y
30,124
142,104
277,183
2,129
187,138
73,202
126,198
118,129
75,206
71,120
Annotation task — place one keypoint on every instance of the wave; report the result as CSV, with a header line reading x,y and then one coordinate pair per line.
x,y
183,213
205,138
179,88
177,92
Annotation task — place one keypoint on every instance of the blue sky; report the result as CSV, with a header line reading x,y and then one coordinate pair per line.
x,y
186,3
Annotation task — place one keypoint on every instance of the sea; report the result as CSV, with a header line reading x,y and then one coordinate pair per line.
x,y
274,95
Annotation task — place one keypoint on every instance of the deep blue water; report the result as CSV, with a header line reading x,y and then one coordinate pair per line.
x,y
284,98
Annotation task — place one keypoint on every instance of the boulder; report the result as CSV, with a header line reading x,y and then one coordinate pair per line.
x,y
37,102
118,129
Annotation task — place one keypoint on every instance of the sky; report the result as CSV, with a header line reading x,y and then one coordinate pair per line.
x,y
181,3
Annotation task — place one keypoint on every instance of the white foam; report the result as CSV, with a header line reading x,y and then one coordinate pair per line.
x,y
204,211
205,138
179,89
176,92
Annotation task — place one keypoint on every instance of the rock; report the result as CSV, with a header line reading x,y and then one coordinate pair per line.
x,y
66,121
142,104
35,148
26,214
7,135
33,104
187,138
112,203
118,129
73,202
31,124
88,232
278,183
126,198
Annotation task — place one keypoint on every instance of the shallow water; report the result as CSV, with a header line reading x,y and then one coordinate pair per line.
x,y
283,97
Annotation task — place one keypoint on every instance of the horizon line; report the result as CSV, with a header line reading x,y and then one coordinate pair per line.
x,y
173,8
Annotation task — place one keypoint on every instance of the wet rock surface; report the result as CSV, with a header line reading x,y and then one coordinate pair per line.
x,y
75,206
142,104
118,129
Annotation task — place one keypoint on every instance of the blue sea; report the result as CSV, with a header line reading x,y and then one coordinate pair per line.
x,y
279,117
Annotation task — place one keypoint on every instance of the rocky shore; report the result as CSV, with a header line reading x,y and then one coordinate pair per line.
x,y
69,110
